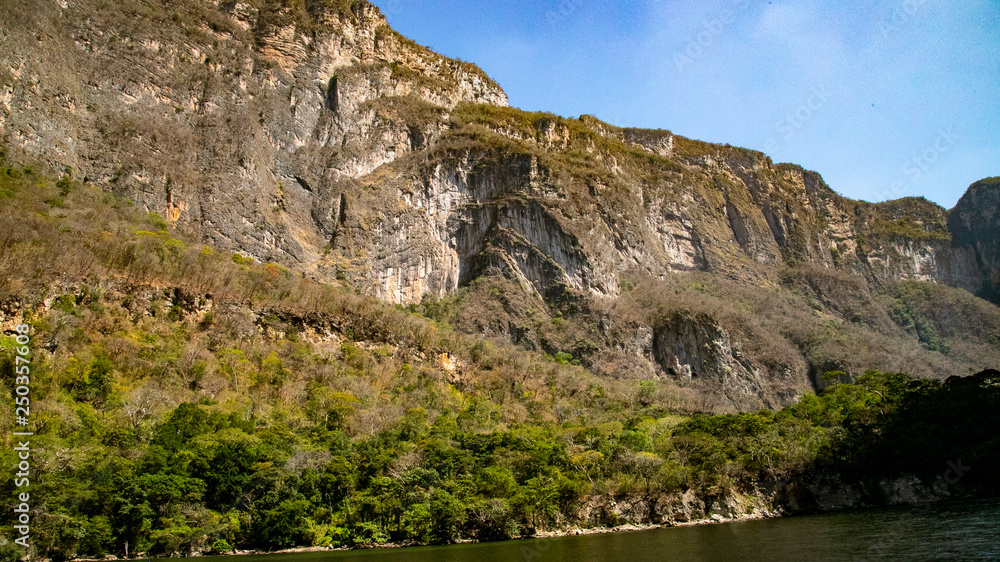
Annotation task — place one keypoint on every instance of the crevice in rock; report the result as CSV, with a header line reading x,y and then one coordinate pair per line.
x,y
342,209
332,98
739,228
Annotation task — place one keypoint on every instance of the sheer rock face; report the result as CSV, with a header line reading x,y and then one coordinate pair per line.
x,y
326,141
975,226
241,126
701,354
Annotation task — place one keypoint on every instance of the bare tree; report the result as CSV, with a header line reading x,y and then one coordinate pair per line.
x,y
141,402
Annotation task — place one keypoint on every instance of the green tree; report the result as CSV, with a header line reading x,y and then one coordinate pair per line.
x,y
286,525
447,517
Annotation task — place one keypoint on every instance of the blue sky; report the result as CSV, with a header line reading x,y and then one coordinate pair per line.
x,y
884,99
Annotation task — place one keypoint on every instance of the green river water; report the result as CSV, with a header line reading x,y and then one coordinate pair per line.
x,y
967,530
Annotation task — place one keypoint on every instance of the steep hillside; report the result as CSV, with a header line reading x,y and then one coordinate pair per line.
x,y
185,400
312,135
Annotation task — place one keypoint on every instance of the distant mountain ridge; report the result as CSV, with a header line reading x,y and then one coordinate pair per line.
x,y
312,134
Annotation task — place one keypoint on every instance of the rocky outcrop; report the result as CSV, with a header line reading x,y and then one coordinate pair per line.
x,y
975,227
809,494
698,352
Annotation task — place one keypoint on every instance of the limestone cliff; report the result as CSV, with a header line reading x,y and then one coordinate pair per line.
x,y
975,226
241,121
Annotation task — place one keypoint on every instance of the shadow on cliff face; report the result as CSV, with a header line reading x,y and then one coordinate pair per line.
x,y
975,223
